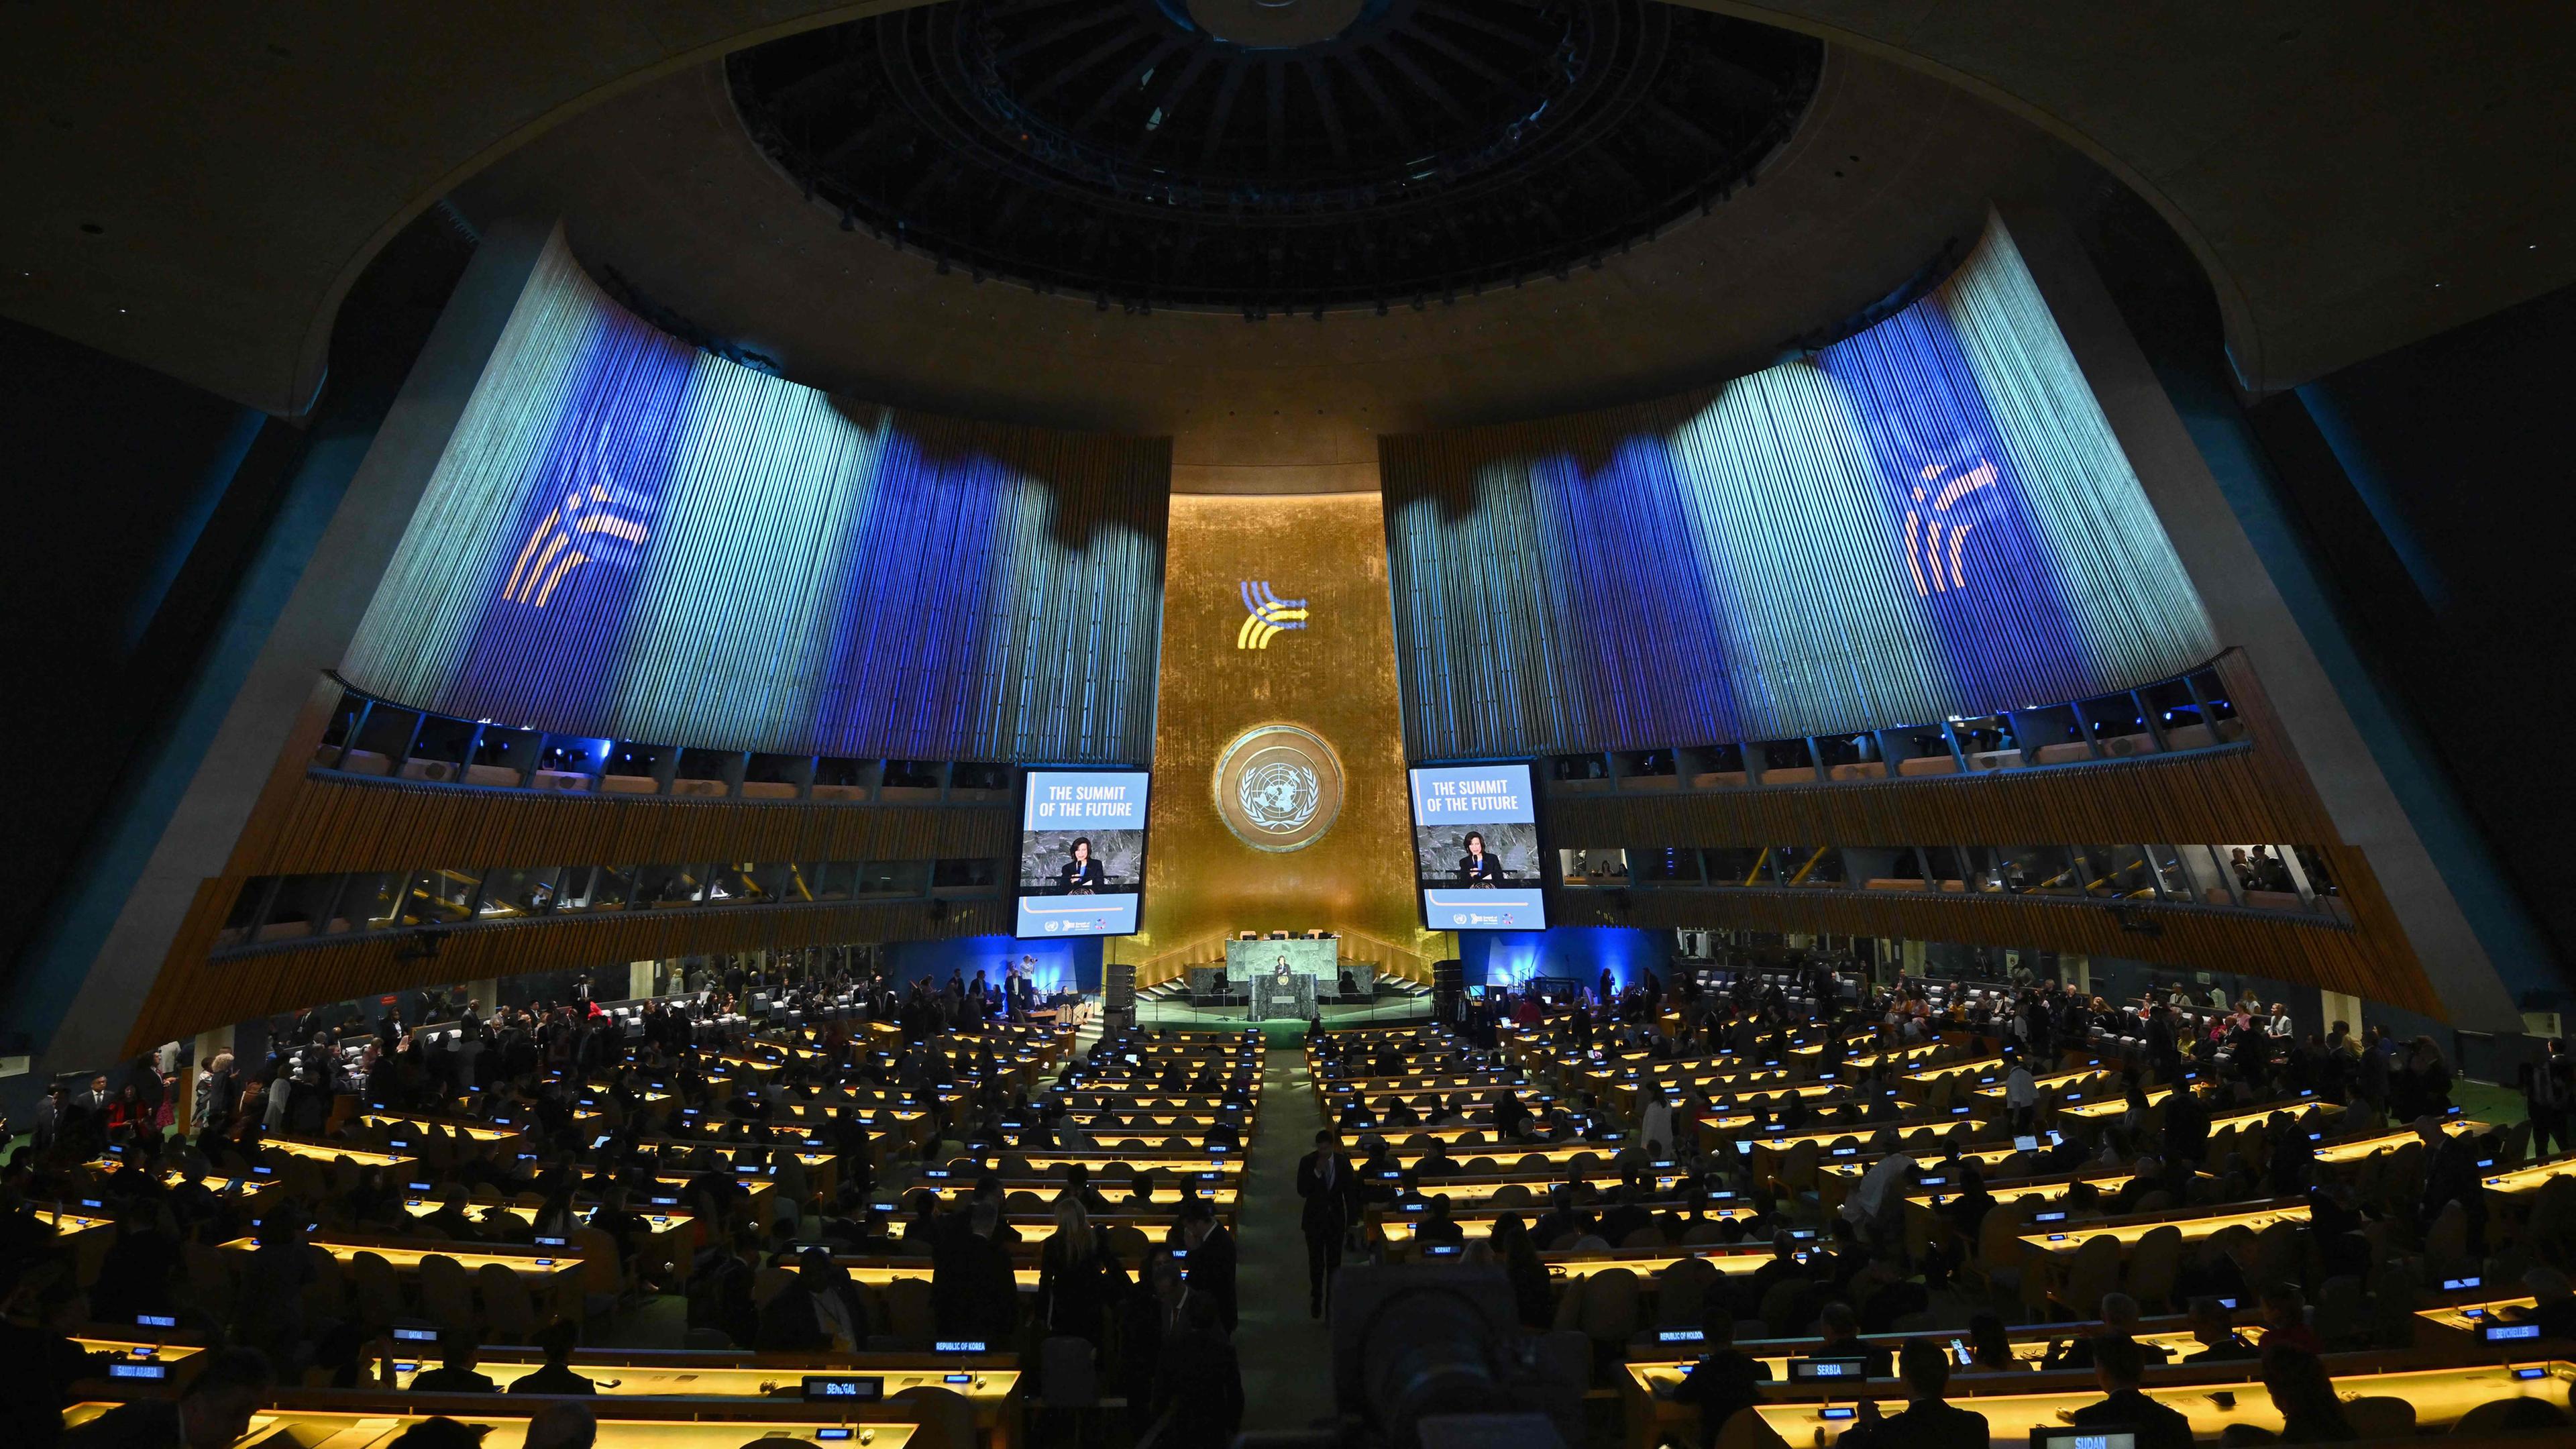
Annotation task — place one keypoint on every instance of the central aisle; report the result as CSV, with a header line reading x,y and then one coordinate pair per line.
x,y
1286,1355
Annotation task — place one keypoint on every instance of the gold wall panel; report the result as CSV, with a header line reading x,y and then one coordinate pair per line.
x,y
1334,677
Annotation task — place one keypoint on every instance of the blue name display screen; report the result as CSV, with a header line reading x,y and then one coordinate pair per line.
x,y
1082,853
1475,848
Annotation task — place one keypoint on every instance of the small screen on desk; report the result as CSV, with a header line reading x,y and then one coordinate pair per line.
x,y
2025,1144
2083,1438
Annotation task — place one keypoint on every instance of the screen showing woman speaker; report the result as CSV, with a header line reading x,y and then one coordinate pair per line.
x,y
1475,848
1082,852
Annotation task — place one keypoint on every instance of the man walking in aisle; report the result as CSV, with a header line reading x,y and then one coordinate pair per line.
x,y
1325,1182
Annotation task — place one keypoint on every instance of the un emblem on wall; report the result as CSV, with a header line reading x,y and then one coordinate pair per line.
x,y
1278,787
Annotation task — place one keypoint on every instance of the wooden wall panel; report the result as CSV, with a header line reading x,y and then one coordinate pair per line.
x,y
338,824
2255,790
204,994
2306,950
2212,795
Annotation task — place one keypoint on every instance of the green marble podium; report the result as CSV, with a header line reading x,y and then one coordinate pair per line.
x,y
1321,960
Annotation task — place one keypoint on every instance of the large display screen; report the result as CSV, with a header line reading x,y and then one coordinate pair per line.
x,y
1475,848
1082,852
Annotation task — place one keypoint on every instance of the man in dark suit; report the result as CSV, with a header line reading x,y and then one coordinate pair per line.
x,y
1327,1187
2117,1366
1723,1382
1928,1422
84,1117
1211,1260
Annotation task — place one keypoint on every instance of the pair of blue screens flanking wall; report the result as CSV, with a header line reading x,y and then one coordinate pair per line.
x,y
1930,518
629,538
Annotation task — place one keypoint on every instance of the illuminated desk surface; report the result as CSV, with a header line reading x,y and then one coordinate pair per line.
x,y
2194,1228
1649,1375
67,1223
2360,1149
1515,1152
1767,1150
631,1377
1898,1055
2111,1103
404,1255
1097,1163
710,1427
2046,1190
2440,1397
1478,1222
657,1223
139,1350
1049,1189
2531,1179
1462,1191
1647,1263
1155,1101
2467,1317
333,1151
455,1126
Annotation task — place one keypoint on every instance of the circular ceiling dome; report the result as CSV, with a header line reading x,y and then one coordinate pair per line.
x,y
1265,156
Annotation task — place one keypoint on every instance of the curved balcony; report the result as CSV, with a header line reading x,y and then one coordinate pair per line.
x,y
373,738
2185,714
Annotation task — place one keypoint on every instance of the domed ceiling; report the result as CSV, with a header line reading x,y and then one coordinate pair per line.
x,y
678,197
1273,154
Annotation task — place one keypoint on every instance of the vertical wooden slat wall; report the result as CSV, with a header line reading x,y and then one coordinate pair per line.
x,y
764,566
1740,563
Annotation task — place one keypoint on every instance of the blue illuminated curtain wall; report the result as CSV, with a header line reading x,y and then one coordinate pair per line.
x,y
628,538
1930,518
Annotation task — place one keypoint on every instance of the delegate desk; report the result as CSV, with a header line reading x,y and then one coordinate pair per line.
x,y
327,1153
2355,1150
1051,1163
1915,1087
991,1383
2051,1256
454,1126
82,1233
1652,1419
2519,1185
668,1240
1477,1221
1524,1157
1924,1224
178,1358
2440,1396
2470,1316
551,1275
1768,1152
374,1420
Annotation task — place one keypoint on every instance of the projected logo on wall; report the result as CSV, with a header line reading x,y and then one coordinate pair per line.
x,y
1266,615
604,523
1923,535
